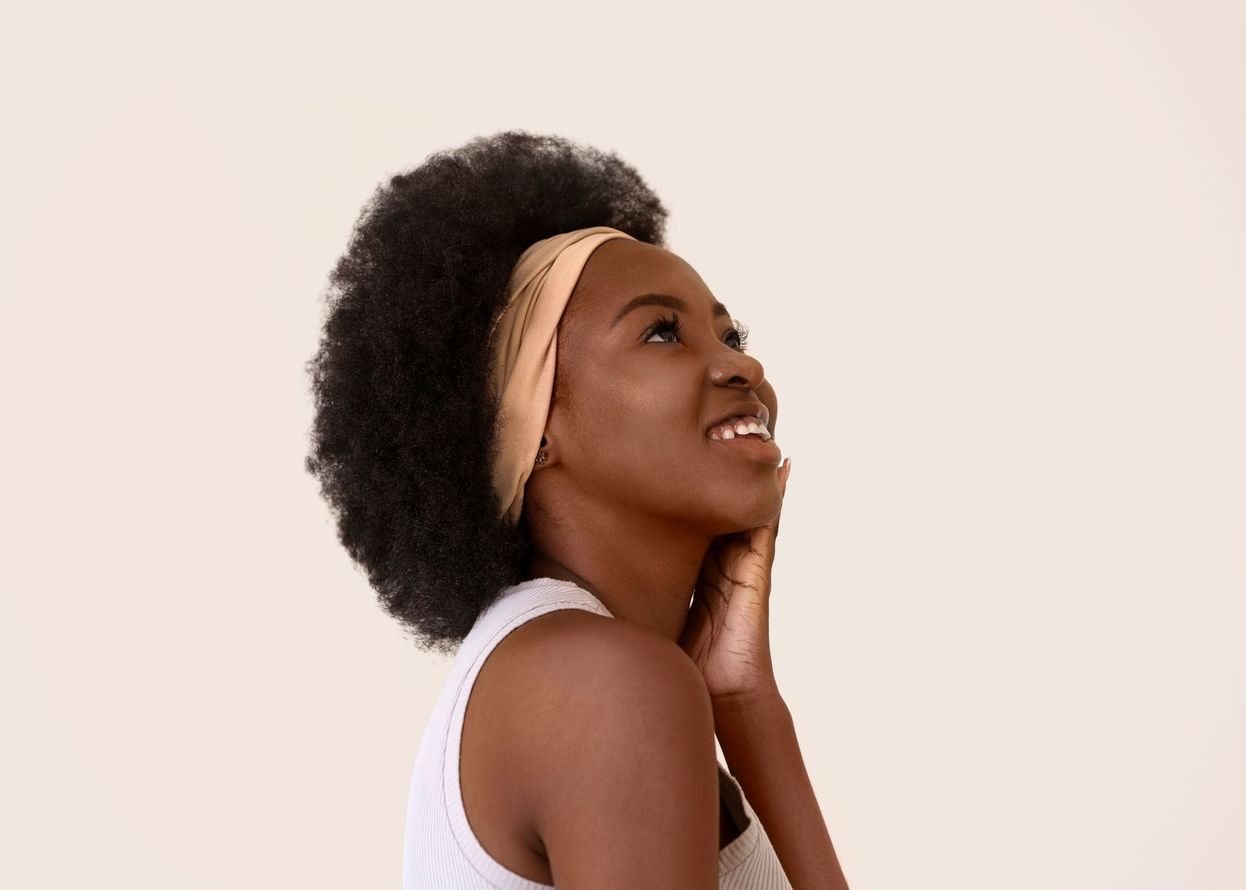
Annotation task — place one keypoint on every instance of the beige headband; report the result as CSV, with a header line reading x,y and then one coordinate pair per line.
x,y
524,341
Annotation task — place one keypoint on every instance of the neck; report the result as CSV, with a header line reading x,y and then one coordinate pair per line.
x,y
643,570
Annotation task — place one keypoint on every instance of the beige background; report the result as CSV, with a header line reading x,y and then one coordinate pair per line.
x,y
992,255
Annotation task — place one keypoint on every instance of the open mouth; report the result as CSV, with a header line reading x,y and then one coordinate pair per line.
x,y
743,427
748,436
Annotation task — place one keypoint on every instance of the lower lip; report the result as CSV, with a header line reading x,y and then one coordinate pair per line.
x,y
762,450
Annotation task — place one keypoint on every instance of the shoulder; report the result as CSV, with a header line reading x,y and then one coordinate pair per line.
x,y
614,729
567,633
576,657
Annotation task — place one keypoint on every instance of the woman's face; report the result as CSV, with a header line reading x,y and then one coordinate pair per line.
x,y
635,399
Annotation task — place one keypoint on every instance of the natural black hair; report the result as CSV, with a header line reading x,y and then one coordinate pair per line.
x,y
405,424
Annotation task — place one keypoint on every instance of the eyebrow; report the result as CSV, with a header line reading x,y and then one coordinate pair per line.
x,y
667,300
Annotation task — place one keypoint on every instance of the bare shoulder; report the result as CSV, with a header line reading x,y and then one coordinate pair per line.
x,y
576,657
613,736
567,637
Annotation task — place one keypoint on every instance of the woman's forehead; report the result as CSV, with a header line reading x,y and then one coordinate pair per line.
x,y
621,270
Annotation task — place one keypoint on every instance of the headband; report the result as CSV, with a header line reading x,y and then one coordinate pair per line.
x,y
524,341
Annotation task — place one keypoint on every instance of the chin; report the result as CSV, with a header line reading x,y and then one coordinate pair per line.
x,y
742,510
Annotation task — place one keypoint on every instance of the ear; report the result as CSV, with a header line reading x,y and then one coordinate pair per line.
x,y
550,456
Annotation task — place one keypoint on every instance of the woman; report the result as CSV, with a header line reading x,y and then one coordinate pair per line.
x,y
544,440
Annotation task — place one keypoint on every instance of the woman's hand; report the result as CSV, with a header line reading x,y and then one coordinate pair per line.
x,y
727,632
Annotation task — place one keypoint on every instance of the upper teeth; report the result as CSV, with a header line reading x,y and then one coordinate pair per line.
x,y
740,426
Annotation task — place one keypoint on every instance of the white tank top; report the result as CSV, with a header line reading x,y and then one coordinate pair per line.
x,y
440,849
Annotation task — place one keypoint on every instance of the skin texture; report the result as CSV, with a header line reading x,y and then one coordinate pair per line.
x,y
611,778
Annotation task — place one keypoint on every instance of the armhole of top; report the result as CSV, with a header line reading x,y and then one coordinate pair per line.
x,y
469,845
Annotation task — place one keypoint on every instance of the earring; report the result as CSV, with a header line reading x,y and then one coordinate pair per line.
x,y
540,457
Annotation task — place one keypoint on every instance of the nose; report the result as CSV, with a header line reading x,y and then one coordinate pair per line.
x,y
737,369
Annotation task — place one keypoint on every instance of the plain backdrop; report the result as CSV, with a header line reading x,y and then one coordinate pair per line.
x,y
992,255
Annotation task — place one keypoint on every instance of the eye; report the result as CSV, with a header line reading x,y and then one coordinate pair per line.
x,y
741,334
663,326
670,325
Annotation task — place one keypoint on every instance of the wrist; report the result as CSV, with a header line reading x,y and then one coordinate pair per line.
x,y
761,698
748,727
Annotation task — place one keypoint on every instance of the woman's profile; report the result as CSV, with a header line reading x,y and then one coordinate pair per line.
x,y
546,442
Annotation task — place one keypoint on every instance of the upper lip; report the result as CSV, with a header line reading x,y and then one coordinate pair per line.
x,y
744,409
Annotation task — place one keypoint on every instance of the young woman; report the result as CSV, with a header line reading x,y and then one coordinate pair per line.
x,y
545,441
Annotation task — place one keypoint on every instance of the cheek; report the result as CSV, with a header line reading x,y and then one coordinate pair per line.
x,y
633,420
629,422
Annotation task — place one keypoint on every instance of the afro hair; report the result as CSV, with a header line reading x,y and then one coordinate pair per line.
x,y
405,425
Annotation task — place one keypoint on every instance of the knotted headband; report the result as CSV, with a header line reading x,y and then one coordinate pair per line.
x,y
524,340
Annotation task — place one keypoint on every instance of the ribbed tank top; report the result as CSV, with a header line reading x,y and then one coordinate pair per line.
x,y
441,851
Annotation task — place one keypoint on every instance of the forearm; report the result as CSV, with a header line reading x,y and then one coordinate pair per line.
x,y
758,739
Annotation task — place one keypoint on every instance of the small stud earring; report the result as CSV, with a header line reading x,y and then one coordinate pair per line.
x,y
540,457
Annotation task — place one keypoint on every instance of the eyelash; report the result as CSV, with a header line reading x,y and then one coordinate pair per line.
x,y
671,323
